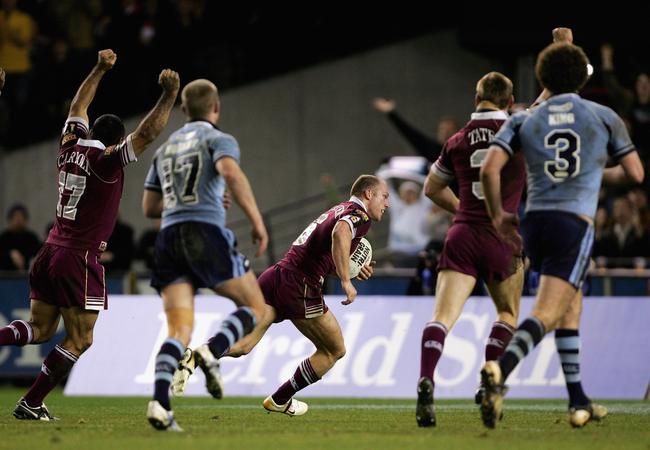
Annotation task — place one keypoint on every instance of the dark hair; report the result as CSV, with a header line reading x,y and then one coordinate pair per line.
x,y
496,88
17,207
108,129
562,68
362,183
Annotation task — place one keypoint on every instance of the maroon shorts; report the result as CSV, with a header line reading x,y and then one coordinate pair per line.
x,y
67,277
291,294
477,250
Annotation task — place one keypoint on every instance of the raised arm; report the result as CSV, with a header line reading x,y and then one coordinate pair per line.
x,y
153,124
240,187
86,92
560,34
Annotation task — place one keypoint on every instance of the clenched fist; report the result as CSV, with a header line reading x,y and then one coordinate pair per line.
x,y
106,59
169,80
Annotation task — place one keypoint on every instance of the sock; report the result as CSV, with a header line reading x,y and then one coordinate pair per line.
x,y
568,347
498,340
433,341
55,368
171,351
17,332
528,335
233,328
302,377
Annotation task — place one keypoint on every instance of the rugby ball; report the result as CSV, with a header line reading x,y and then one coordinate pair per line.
x,y
361,256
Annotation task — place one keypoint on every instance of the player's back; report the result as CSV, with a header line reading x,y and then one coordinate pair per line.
x,y
91,179
184,170
462,158
311,252
566,142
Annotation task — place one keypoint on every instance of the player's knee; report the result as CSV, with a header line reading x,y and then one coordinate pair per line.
x,y
338,353
83,342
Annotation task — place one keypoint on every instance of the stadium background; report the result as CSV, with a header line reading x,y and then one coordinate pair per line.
x,y
296,88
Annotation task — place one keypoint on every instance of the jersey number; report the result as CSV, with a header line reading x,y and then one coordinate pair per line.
x,y
76,185
566,144
476,160
188,165
310,229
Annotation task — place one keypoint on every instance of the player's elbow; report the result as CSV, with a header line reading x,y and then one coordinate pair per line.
x,y
152,205
637,174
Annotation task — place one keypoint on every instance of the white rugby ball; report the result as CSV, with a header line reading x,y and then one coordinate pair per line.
x,y
361,256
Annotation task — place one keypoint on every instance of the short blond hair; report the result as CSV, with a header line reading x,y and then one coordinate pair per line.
x,y
495,87
364,182
199,97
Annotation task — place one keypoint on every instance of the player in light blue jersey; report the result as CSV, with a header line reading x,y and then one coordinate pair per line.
x,y
194,249
566,142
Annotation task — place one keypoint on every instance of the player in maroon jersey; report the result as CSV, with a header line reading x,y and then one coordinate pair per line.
x,y
66,279
472,249
293,290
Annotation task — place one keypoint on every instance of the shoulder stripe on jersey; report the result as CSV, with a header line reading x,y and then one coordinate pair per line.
x,y
127,153
505,147
440,172
349,222
618,154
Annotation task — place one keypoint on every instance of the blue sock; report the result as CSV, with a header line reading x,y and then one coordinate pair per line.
x,y
528,335
568,347
166,364
233,328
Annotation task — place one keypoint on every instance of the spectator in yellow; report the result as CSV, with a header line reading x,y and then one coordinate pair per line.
x,y
17,33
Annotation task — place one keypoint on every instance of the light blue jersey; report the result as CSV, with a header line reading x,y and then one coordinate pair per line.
x,y
566,142
183,171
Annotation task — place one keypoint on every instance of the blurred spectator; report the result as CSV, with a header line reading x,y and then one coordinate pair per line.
x,y
75,20
18,244
425,145
120,250
147,244
633,105
17,33
626,238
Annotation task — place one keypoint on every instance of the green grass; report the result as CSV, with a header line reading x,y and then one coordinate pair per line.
x,y
241,423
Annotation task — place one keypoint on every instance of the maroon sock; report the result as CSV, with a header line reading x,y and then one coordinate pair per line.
x,y
302,377
17,332
433,341
498,340
55,368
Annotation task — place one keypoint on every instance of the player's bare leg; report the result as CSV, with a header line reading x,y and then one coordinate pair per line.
x,y
247,295
178,303
40,328
553,300
79,325
325,333
567,341
452,291
506,296
242,347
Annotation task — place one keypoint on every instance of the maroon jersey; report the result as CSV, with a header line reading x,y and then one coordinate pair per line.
x,y
91,178
462,157
311,253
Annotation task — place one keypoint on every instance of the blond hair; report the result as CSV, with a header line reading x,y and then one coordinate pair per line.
x,y
495,87
199,97
362,183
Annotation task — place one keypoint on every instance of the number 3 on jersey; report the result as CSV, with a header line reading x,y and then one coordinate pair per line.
x,y
566,144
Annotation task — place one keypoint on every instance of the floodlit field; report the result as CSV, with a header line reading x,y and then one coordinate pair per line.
x,y
241,423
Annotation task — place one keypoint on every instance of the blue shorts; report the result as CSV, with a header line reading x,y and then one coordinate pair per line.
x,y
558,244
198,253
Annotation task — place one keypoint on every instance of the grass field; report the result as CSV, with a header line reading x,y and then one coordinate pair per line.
x,y
241,423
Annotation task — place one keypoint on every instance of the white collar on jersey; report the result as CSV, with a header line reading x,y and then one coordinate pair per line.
x,y
91,143
490,115
358,201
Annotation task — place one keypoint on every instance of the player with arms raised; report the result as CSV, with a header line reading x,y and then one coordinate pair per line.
x,y
293,290
473,248
66,279
566,142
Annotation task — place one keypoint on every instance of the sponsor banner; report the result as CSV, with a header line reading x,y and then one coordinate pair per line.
x,y
382,336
